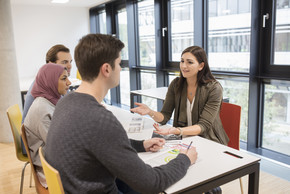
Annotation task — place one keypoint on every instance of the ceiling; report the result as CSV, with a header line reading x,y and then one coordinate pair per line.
x,y
71,3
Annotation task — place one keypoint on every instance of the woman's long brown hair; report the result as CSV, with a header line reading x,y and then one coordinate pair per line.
x,y
204,76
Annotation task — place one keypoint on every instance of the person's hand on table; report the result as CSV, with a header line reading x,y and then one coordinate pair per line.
x,y
141,109
191,154
168,131
154,144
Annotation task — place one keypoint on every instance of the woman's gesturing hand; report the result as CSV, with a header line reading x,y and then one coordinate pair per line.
x,y
141,109
168,131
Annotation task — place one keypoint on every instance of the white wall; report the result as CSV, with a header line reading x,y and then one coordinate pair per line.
x,y
38,27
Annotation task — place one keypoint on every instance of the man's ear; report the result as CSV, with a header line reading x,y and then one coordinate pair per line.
x,y
106,69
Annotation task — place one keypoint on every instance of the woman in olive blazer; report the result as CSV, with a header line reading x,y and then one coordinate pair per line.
x,y
195,97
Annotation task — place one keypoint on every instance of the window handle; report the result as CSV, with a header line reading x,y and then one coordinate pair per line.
x,y
265,17
163,31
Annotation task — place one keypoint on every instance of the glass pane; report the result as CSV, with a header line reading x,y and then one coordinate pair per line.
x,y
125,86
107,98
233,6
171,77
122,30
244,7
237,91
146,33
213,11
182,27
148,80
276,125
229,40
282,33
102,22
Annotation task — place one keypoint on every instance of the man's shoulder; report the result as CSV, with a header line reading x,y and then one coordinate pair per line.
x,y
75,98
81,103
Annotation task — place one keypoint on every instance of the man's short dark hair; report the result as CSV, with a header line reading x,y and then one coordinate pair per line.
x,y
51,55
93,50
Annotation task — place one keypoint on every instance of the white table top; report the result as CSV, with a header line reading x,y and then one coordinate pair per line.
x,y
212,160
125,116
159,93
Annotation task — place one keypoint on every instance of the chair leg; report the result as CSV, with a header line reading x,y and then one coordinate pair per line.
x,y
30,184
22,177
241,185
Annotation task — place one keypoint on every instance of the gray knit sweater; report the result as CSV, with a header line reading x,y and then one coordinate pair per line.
x,y
90,148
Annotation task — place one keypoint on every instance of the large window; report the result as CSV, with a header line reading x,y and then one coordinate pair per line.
x,y
236,90
146,33
124,76
229,40
122,32
148,80
147,51
125,86
276,125
182,28
102,22
282,33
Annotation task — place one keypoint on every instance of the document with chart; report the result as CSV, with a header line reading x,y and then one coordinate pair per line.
x,y
135,125
168,153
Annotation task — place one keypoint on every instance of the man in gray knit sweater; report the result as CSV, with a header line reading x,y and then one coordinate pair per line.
x,y
88,145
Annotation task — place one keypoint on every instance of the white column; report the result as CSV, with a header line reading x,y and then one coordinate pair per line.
x,y
9,81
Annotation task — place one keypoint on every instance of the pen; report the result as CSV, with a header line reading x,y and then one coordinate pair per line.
x,y
189,145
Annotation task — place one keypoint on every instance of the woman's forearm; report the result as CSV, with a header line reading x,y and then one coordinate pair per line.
x,y
156,116
190,130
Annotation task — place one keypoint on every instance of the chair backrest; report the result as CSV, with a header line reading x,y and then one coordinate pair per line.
x,y
15,118
39,188
230,115
52,176
79,75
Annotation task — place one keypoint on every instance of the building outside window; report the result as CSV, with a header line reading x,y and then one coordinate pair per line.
x,y
146,33
182,28
102,22
282,33
229,40
276,123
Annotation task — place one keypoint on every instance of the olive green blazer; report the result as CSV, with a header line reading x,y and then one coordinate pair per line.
x,y
205,111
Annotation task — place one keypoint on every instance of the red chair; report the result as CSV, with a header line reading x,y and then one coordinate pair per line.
x,y
230,115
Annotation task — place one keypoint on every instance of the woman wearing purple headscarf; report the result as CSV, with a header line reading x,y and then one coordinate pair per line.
x,y
51,82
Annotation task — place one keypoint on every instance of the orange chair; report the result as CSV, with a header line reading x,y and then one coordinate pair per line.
x,y
230,115
39,188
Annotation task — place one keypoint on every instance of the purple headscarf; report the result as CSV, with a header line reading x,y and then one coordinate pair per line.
x,y
46,82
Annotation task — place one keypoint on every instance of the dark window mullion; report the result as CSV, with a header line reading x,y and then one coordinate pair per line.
x,y
161,43
111,14
254,82
133,44
200,23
